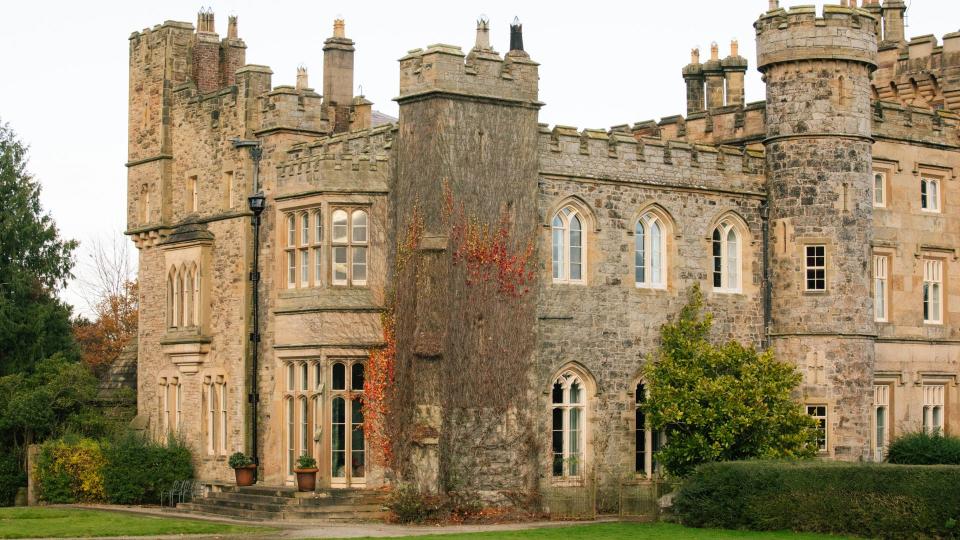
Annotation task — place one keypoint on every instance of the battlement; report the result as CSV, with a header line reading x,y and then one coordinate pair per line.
x,y
840,33
920,72
620,155
482,73
917,125
732,125
354,161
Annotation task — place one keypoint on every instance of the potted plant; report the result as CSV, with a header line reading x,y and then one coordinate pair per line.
x,y
306,470
243,468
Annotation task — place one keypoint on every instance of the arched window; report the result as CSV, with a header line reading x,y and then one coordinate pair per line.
x,y
568,246
290,421
648,441
650,252
171,322
568,399
726,257
188,302
304,426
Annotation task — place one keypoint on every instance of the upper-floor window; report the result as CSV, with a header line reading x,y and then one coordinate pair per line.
x,y
192,194
880,263
649,258
726,258
933,408
932,291
568,246
930,194
183,296
349,247
303,259
815,268
879,189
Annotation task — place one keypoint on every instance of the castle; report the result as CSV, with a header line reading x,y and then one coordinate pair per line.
x,y
822,223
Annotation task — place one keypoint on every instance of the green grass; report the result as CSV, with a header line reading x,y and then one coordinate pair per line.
x,y
632,531
73,522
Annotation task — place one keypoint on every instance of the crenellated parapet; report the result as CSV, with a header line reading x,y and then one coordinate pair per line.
x,y
481,74
619,155
733,125
893,121
357,161
801,34
920,73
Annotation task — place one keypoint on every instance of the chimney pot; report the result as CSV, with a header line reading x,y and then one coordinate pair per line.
x,y
338,29
714,51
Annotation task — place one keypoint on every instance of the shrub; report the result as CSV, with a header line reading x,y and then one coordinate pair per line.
x,y
872,500
924,449
11,477
139,469
409,505
306,461
238,460
71,470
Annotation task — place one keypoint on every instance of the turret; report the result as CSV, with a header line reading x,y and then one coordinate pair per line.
x,y
338,77
820,209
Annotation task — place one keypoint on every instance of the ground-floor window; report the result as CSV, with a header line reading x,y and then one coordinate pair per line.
x,y
819,413
567,418
933,408
647,441
881,420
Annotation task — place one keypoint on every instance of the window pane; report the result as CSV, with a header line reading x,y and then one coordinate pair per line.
x,y
878,189
557,393
340,226
639,246
338,439
360,226
576,245
339,376
717,259
304,229
575,392
733,260
291,231
291,377
317,266
656,253
359,265
304,268
291,269
304,376
291,437
356,439
340,265
557,442
356,377
318,221
574,442
557,248
934,198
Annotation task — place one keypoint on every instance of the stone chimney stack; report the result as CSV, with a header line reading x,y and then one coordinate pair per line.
x,y
233,53
232,27
693,77
893,21
734,69
338,77
302,83
713,73
206,54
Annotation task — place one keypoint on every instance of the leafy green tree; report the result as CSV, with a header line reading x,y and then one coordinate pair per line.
x,y
721,402
34,264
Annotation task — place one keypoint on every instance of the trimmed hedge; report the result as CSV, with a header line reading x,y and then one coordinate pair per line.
x,y
11,477
924,449
130,469
872,500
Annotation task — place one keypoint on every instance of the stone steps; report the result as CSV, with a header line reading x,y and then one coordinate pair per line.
x,y
266,503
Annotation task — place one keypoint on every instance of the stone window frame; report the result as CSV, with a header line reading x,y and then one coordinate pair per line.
x,y
881,268
823,419
300,384
884,191
932,269
725,227
807,268
934,401
215,414
184,298
570,373
350,245
350,393
561,223
882,398
926,181
653,440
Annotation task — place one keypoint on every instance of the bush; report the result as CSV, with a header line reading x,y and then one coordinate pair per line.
x,y
872,500
11,477
239,460
139,469
409,505
71,470
924,449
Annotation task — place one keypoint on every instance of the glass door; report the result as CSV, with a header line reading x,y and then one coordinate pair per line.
x,y
347,442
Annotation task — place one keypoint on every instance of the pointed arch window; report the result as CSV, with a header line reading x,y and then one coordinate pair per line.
x,y
568,419
568,246
726,257
649,252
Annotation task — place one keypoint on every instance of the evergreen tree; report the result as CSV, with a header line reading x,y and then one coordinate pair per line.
x,y
721,402
34,264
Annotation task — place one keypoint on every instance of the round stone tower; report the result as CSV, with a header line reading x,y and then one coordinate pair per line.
x,y
818,152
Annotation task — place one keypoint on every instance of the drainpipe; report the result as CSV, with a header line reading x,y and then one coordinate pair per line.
x,y
765,224
256,202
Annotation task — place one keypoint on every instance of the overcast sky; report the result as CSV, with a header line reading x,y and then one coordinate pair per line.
x,y
63,69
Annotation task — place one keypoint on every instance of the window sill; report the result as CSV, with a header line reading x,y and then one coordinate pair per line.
x,y
573,481
816,292
928,211
569,282
933,323
728,291
650,287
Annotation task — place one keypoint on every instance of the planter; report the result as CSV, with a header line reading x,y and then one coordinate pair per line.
x,y
246,476
306,479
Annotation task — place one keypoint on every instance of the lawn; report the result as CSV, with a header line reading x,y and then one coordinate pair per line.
x,y
632,531
72,522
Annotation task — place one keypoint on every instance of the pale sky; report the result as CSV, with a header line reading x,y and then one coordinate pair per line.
x,y
63,69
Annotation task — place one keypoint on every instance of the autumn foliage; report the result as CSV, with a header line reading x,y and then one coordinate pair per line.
x,y
114,325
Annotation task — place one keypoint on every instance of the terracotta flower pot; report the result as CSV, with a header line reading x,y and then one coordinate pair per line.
x,y
306,479
246,476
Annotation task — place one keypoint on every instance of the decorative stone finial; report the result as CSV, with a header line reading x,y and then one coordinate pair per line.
x,y
734,48
483,34
338,28
302,78
232,27
714,51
